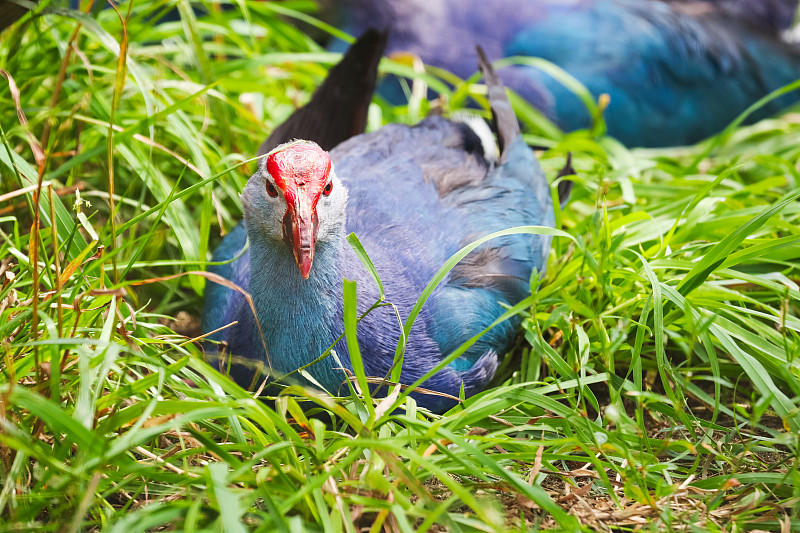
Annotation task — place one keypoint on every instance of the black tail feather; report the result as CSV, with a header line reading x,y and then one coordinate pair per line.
x,y
564,191
503,114
11,12
338,108
565,186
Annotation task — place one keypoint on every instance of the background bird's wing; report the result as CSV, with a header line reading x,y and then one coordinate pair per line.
x,y
660,67
770,15
676,71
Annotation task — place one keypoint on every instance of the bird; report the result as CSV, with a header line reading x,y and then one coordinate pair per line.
x,y
413,196
675,72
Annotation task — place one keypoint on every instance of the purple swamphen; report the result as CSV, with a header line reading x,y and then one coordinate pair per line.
x,y
675,71
413,196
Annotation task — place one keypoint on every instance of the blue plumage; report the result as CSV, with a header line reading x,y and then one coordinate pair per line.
x,y
676,71
409,231
415,195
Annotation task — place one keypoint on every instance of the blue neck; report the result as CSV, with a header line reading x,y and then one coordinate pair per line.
x,y
298,315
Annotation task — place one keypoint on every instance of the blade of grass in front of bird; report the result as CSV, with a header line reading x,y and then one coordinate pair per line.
x,y
350,328
362,255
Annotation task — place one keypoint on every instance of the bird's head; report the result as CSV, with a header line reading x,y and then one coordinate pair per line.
x,y
295,197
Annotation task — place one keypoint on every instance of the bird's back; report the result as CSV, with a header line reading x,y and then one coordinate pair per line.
x,y
416,196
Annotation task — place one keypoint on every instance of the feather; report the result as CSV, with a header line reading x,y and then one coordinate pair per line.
x,y
335,114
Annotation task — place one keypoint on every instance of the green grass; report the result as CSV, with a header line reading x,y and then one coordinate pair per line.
x,y
654,385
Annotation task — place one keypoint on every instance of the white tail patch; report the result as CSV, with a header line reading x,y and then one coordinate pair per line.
x,y
792,35
482,130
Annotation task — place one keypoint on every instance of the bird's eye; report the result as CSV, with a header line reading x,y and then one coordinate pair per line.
x,y
271,190
328,188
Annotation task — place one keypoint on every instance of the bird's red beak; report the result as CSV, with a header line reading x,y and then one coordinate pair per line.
x,y
300,227
300,170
